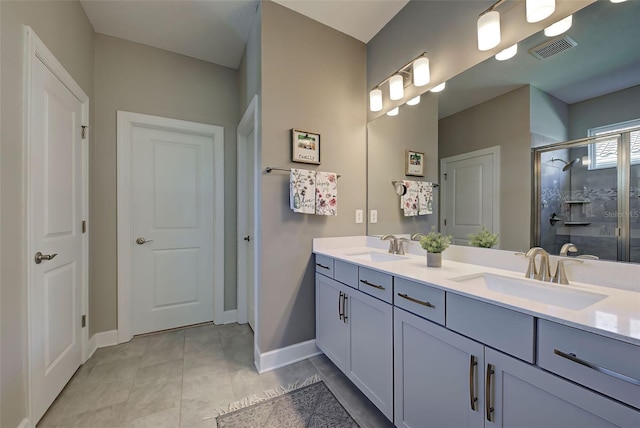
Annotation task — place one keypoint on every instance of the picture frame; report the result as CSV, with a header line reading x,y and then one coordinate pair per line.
x,y
305,147
414,163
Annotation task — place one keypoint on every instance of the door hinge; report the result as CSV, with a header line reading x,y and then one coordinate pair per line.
x,y
445,221
84,321
445,176
84,226
84,131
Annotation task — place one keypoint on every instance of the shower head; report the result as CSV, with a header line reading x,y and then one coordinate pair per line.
x,y
567,165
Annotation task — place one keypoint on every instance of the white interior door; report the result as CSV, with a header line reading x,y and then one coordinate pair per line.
x,y
173,220
470,194
55,232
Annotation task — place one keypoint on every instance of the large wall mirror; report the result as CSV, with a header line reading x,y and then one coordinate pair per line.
x,y
483,127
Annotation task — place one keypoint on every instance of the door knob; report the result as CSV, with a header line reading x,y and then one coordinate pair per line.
x,y
142,241
39,257
247,238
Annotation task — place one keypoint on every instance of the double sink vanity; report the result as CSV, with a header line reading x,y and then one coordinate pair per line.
x,y
474,345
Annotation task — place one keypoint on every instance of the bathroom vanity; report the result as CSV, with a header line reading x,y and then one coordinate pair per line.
x,y
470,345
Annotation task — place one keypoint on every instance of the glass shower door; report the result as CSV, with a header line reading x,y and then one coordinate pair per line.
x,y
634,197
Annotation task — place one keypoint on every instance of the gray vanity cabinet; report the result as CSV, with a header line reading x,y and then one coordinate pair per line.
x,y
331,332
438,375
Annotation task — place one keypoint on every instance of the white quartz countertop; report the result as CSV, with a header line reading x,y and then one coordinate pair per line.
x,y
616,316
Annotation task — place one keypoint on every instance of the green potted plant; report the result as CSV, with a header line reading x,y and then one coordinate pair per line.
x,y
435,243
483,239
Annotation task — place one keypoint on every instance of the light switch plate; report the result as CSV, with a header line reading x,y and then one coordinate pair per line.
x,y
373,217
359,216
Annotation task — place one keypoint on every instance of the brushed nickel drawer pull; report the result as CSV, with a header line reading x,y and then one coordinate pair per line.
x,y
572,357
420,302
322,266
487,393
340,315
473,363
344,307
379,287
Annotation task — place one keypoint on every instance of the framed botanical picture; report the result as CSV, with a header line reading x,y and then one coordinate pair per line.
x,y
414,163
305,147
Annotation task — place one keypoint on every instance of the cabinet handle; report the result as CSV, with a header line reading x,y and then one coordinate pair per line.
x,y
379,287
487,393
572,357
420,302
473,363
340,305
322,266
344,307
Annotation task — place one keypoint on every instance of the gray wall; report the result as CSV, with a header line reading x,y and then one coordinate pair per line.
x,y
605,110
549,116
415,128
313,78
66,31
249,70
502,121
141,79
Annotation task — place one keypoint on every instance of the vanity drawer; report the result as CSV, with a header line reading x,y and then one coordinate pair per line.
x,y
376,284
324,265
420,299
606,365
346,273
499,328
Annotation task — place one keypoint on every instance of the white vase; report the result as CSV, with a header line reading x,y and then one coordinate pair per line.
x,y
434,259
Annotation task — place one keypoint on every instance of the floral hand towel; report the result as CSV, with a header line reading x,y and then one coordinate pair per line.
x,y
425,195
326,193
410,200
302,189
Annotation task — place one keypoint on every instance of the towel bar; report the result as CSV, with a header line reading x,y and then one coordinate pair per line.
x,y
275,168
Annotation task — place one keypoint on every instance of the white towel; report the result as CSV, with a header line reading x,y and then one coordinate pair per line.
x,y
410,200
302,190
326,193
425,195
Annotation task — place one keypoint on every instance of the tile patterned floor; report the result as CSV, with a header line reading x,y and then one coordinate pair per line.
x,y
178,378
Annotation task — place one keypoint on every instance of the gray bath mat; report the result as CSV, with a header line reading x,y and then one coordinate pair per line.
x,y
312,406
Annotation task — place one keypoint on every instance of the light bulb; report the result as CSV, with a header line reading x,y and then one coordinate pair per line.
x,y
421,73
488,30
537,10
617,1
559,27
396,87
439,88
393,112
507,53
375,100
414,101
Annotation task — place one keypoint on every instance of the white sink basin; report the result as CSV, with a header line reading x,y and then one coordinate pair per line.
x,y
551,294
373,256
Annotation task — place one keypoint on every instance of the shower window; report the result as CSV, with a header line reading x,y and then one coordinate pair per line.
x,y
604,152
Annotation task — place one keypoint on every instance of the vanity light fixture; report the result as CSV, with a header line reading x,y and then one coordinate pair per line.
x,y
617,1
393,112
537,10
416,71
375,99
414,101
507,53
559,27
396,87
438,88
421,73
489,29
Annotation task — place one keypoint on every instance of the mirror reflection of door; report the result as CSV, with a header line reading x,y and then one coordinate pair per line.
x,y
469,193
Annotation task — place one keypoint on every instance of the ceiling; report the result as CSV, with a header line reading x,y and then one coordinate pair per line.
x,y
217,30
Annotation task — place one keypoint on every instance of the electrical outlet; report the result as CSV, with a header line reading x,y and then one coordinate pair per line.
x,y
359,216
373,217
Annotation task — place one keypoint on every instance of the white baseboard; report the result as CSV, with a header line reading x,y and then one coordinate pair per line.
x,y
230,317
102,339
284,356
25,424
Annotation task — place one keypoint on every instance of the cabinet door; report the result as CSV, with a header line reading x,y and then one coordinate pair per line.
x,y
370,349
438,375
522,395
331,330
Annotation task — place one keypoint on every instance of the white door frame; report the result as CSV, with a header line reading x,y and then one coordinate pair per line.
x,y
126,121
35,48
248,123
495,151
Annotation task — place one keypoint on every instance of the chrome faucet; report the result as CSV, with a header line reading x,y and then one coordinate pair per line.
x,y
542,274
393,243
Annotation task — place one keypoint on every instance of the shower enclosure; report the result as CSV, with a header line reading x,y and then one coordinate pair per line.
x,y
587,192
